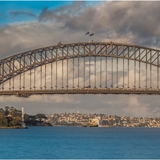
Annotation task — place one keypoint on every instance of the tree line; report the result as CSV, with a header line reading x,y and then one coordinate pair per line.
x,y
12,117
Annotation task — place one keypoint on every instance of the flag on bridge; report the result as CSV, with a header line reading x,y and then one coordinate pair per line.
x,y
87,33
91,34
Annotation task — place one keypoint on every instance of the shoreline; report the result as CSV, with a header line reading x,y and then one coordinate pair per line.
x,y
17,127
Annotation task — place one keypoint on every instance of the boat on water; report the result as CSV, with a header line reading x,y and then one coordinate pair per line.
x,y
96,125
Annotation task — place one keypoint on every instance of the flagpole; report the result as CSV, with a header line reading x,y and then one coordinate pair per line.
x,y
88,35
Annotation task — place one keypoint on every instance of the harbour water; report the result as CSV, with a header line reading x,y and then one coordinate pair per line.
x,y
80,142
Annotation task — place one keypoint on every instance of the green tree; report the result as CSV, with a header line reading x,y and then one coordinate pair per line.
x,y
1,110
3,122
40,116
6,111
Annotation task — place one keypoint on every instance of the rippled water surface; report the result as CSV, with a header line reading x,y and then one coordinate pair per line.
x,y
80,142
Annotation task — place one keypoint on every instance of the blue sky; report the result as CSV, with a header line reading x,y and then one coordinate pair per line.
x,y
7,7
36,7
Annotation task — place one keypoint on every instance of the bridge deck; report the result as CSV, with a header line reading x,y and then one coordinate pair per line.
x,y
27,93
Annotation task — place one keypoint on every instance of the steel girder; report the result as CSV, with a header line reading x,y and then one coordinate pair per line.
x,y
22,62
28,93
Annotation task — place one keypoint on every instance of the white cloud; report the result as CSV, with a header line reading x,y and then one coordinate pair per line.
x,y
128,38
126,22
135,108
68,99
131,105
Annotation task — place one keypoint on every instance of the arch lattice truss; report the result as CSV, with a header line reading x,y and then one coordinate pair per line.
x,y
144,61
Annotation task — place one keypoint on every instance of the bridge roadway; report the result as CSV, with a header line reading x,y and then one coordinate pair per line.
x,y
27,93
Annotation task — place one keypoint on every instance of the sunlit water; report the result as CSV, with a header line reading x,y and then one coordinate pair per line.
x,y
79,142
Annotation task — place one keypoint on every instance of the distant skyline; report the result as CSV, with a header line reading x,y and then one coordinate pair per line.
x,y
29,25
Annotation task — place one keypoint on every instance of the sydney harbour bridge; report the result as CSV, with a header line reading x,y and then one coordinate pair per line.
x,y
82,68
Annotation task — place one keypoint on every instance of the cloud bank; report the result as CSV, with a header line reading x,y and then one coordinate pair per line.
x,y
123,22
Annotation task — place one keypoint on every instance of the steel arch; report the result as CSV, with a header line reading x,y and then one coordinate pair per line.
x,y
38,57
27,61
